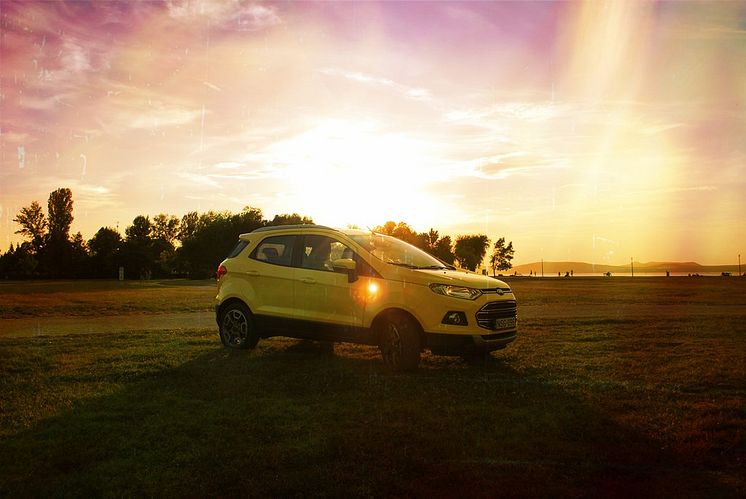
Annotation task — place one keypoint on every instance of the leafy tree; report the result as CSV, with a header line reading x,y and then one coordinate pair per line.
x,y
439,247
188,225
290,219
104,248
211,237
470,250
19,263
79,257
58,255
33,225
165,228
429,240
443,250
140,230
502,255
60,209
137,251
401,231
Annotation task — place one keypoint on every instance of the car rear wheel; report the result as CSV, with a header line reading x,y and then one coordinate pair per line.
x,y
399,342
237,327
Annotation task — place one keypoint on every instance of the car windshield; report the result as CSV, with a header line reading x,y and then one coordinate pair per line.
x,y
397,252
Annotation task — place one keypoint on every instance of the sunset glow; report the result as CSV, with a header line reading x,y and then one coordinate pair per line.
x,y
586,131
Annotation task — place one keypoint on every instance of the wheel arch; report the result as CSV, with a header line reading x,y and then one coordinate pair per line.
x,y
228,302
388,312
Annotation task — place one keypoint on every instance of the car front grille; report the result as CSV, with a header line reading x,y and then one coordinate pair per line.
x,y
494,310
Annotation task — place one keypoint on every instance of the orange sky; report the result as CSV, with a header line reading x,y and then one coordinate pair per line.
x,y
589,131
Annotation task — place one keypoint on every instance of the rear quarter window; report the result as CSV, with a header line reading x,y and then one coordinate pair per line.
x,y
237,249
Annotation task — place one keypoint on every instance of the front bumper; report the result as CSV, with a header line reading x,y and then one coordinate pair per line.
x,y
490,325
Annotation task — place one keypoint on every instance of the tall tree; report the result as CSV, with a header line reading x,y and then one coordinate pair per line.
x,y
502,255
140,231
444,250
80,257
33,225
290,219
165,228
188,226
60,209
18,263
104,248
470,250
137,251
58,254
429,240
400,231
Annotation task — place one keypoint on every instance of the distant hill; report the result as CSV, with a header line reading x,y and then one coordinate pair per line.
x,y
642,267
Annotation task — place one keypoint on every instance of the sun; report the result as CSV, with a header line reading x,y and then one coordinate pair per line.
x,y
355,173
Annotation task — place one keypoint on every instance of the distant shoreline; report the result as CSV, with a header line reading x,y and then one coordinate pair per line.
x,y
640,275
584,268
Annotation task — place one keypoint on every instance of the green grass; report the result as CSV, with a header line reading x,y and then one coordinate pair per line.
x,y
100,297
613,389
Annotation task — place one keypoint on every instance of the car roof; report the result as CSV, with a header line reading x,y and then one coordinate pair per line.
x,y
300,227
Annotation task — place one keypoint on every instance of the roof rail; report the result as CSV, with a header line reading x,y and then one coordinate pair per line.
x,y
295,226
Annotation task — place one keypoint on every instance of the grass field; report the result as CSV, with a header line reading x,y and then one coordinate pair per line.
x,y
621,387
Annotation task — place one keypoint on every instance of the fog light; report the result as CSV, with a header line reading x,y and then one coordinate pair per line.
x,y
455,319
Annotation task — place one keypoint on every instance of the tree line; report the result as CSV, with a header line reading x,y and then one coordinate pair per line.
x,y
191,246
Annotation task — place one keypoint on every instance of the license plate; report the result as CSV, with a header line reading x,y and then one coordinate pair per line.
x,y
504,323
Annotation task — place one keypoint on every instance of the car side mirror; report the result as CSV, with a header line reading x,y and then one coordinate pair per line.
x,y
346,266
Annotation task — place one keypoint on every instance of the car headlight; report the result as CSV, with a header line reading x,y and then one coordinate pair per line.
x,y
456,291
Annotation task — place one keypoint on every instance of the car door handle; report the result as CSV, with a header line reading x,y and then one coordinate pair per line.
x,y
308,280
252,273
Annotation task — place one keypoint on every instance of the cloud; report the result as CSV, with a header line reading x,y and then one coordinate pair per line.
x,y
506,165
45,103
226,14
163,116
417,93
200,179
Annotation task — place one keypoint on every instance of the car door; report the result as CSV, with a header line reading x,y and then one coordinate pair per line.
x,y
322,294
273,277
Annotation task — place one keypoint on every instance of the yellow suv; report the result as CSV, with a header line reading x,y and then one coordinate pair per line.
x,y
314,282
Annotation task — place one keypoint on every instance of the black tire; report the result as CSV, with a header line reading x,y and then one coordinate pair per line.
x,y
400,342
237,328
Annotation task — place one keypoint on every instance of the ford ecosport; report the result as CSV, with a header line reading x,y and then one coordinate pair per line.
x,y
314,282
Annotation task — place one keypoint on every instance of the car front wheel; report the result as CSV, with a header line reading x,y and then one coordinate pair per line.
x,y
399,342
237,327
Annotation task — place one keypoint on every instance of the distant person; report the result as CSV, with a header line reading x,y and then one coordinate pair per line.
x,y
559,274
567,274
571,273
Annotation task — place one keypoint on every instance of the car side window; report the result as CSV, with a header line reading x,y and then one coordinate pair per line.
x,y
277,250
320,251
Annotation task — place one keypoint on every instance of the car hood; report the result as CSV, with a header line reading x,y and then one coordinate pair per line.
x,y
452,277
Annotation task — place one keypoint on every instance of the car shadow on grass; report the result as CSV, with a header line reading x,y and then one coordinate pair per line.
x,y
292,418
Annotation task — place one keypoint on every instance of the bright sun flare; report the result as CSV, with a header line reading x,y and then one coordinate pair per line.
x,y
344,172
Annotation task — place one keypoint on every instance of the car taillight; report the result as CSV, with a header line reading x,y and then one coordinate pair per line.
x,y
221,272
